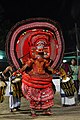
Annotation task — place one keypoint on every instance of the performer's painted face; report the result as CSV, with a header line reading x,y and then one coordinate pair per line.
x,y
40,46
41,49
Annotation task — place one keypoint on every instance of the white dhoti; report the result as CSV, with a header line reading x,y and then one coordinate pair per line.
x,y
14,101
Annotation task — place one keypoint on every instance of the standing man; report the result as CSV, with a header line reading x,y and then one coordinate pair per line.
x,y
14,89
75,70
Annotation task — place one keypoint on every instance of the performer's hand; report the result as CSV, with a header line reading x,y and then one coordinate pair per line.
x,y
56,72
14,74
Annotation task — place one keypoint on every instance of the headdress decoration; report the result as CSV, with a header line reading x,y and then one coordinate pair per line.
x,y
27,34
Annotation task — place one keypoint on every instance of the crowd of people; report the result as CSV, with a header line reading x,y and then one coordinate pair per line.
x,y
43,99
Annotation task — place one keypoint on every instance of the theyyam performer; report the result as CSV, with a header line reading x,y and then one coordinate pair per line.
x,y
35,47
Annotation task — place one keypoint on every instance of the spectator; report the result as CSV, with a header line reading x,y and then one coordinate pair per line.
x,y
79,84
75,70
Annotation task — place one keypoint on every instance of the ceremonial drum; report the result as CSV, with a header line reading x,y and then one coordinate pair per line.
x,y
16,80
68,87
2,90
16,86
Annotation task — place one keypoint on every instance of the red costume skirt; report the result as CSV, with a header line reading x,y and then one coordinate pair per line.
x,y
40,98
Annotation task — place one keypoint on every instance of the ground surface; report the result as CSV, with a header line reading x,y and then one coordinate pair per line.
x,y
60,113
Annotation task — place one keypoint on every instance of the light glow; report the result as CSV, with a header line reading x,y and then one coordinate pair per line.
x,y
1,57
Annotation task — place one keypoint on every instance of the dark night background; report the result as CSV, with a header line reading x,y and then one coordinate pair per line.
x,y
66,12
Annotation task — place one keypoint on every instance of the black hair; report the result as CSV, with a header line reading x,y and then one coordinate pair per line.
x,y
74,60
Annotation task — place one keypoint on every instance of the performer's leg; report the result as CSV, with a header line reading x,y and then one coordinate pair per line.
x,y
11,97
32,106
1,95
48,111
17,103
33,112
11,103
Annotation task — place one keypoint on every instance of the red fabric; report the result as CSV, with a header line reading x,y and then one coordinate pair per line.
x,y
36,82
35,36
36,86
39,98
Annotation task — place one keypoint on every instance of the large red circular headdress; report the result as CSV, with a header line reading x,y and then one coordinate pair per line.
x,y
24,35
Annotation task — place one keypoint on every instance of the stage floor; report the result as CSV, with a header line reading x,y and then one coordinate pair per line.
x,y
59,112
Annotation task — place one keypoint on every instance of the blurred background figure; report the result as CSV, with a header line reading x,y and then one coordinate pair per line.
x,y
75,71
3,86
79,83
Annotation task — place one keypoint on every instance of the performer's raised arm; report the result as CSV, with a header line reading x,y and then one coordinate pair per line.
x,y
9,68
28,64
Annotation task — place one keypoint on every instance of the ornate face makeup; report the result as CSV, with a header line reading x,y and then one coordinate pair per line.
x,y
40,44
40,49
